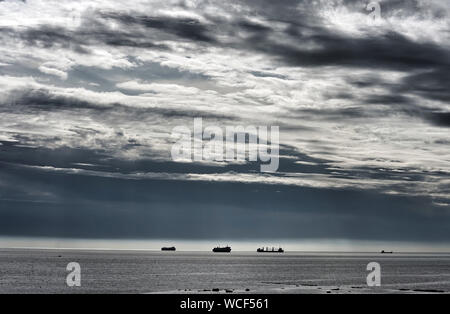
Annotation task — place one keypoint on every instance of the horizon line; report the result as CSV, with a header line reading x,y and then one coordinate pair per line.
x,y
193,251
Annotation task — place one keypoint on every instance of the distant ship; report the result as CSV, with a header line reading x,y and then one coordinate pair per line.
x,y
385,252
267,250
172,248
219,249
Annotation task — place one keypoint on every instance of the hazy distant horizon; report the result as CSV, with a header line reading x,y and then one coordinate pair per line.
x,y
289,245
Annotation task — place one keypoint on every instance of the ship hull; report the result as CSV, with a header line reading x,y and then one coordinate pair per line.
x,y
221,250
280,250
270,251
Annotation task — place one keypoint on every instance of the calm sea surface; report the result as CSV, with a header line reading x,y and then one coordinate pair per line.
x,y
44,271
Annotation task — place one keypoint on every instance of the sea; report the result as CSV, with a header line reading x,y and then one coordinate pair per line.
x,y
102,271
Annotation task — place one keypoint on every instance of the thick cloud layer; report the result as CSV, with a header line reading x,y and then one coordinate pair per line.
x,y
91,90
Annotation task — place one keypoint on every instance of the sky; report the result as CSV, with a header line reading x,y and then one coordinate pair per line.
x,y
91,91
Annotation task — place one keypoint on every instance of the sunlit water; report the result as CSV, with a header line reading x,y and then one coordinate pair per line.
x,y
44,271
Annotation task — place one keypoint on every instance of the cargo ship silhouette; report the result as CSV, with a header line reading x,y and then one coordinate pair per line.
x,y
219,249
267,250
172,248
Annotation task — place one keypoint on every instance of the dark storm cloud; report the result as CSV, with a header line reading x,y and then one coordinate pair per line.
x,y
388,99
439,118
44,36
398,104
93,31
398,99
47,37
391,50
97,207
43,100
379,107
100,160
189,29
428,84
288,9
16,156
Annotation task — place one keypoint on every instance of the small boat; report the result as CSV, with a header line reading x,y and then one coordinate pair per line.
x,y
172,248
385,252
219,249
267,250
